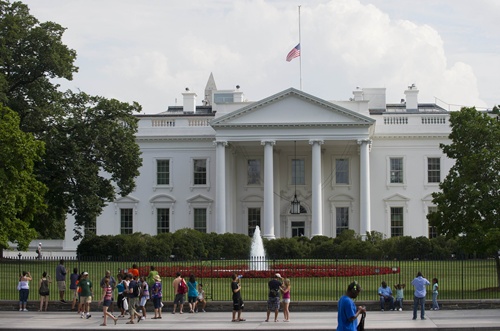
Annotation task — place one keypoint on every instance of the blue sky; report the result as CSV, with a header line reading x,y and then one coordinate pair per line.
x,y
149,51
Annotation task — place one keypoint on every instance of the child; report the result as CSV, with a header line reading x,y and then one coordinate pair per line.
x,y
201,299
435,286
399,296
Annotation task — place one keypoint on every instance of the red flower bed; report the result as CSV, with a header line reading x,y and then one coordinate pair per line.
x,y
286,271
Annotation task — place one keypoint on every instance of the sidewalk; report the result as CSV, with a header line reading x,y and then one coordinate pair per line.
x,y
444,320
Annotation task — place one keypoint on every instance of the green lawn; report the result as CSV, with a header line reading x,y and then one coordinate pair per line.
x,y
458,279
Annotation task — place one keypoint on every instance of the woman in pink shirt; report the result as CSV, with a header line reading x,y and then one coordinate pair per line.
x,y
285,289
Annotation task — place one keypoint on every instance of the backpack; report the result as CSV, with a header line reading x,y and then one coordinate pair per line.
x,y
44,288
182,287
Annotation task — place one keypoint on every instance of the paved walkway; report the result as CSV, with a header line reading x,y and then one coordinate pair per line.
x,y
444,320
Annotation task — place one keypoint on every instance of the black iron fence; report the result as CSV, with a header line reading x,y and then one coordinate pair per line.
x,y
311,280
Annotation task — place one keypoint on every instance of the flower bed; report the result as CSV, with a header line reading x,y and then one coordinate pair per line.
x,y
286,271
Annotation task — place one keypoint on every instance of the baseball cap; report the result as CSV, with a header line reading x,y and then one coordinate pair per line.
x,y
277,276
85,273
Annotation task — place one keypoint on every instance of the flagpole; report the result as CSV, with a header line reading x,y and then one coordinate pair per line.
x,y
300,57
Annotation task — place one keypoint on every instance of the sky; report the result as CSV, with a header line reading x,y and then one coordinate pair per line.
x,y
149,51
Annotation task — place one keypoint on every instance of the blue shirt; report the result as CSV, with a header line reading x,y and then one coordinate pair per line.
x,y
385,291
192,289
347,310
420,283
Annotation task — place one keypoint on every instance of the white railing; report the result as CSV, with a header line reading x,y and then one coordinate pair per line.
x,y
395,120
163,122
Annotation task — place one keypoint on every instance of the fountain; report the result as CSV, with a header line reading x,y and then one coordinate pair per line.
x,y
257,252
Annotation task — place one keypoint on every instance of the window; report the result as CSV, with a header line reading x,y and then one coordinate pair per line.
x,y
223,97
253,220
91,228
432,229
126,221
342,171
162,220
433,170
253,172
298,172
162,172
396,170
396,221
298,229
200,219
342,216
200,172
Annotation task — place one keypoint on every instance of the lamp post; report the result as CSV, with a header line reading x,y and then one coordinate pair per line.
x,y
19,256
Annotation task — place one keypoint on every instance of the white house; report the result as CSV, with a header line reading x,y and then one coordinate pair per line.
x,y
228,165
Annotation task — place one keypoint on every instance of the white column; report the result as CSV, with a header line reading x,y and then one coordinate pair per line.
x,y
220,193
364,195
268,222
317,199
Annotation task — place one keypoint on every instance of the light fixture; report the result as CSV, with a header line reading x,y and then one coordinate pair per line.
x,y
295,202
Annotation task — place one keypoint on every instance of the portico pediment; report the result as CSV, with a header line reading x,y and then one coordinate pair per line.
x,y
292,108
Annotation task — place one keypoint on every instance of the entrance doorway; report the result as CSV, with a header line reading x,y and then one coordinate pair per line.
x,y
298,229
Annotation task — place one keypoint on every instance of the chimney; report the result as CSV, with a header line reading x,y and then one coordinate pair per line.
x,y
411,98
375,97
358,94
189,101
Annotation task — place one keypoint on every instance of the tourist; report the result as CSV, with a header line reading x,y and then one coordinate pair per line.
x,y
43,290
385,294
107,294
419,283
156,294
285,289
273,300
192,293
73,278
180,289
24,290
400,295
237,300
39,251
435,287
61,280
201,299
133,298
120,287
112,283
150,278
134,271
144,296
348,313
85,285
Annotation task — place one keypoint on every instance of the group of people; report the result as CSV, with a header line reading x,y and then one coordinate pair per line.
x,y
277,287
348,313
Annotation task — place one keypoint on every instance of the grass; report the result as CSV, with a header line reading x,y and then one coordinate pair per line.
x,y
468,279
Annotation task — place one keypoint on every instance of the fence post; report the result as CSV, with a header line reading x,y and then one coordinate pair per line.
x,y
19,256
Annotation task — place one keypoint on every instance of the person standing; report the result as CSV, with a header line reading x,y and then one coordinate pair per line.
x,y
180,289
73,278
24,290
86,293
39,251
43,290
192,293
419,283
273,300
61,280
151,276
237,300
144,296
157,296
385,294
435,287
285,289
107,294
348,313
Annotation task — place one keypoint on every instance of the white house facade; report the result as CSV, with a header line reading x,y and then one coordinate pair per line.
x,y
229,165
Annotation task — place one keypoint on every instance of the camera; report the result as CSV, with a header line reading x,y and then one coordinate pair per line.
x,y
240,276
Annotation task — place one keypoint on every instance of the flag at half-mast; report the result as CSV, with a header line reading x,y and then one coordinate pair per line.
x,y
295,52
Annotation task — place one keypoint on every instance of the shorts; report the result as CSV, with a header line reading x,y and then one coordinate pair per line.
x,y
273,303
61,285
179,299
286,300
143,301
85,299
106,303
75,295
192,299
157,303
238,304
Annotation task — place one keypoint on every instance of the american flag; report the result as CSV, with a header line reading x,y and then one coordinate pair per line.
x,y
295,52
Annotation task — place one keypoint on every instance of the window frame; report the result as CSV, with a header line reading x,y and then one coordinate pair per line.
x,y
158,227
126,229
427,170
389,182
195,227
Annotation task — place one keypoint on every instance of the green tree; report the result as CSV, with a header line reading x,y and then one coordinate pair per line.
x,y
469,200
91,153
21,193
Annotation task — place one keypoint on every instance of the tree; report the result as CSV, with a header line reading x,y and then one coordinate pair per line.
x,y
91,153
469,201
21,193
